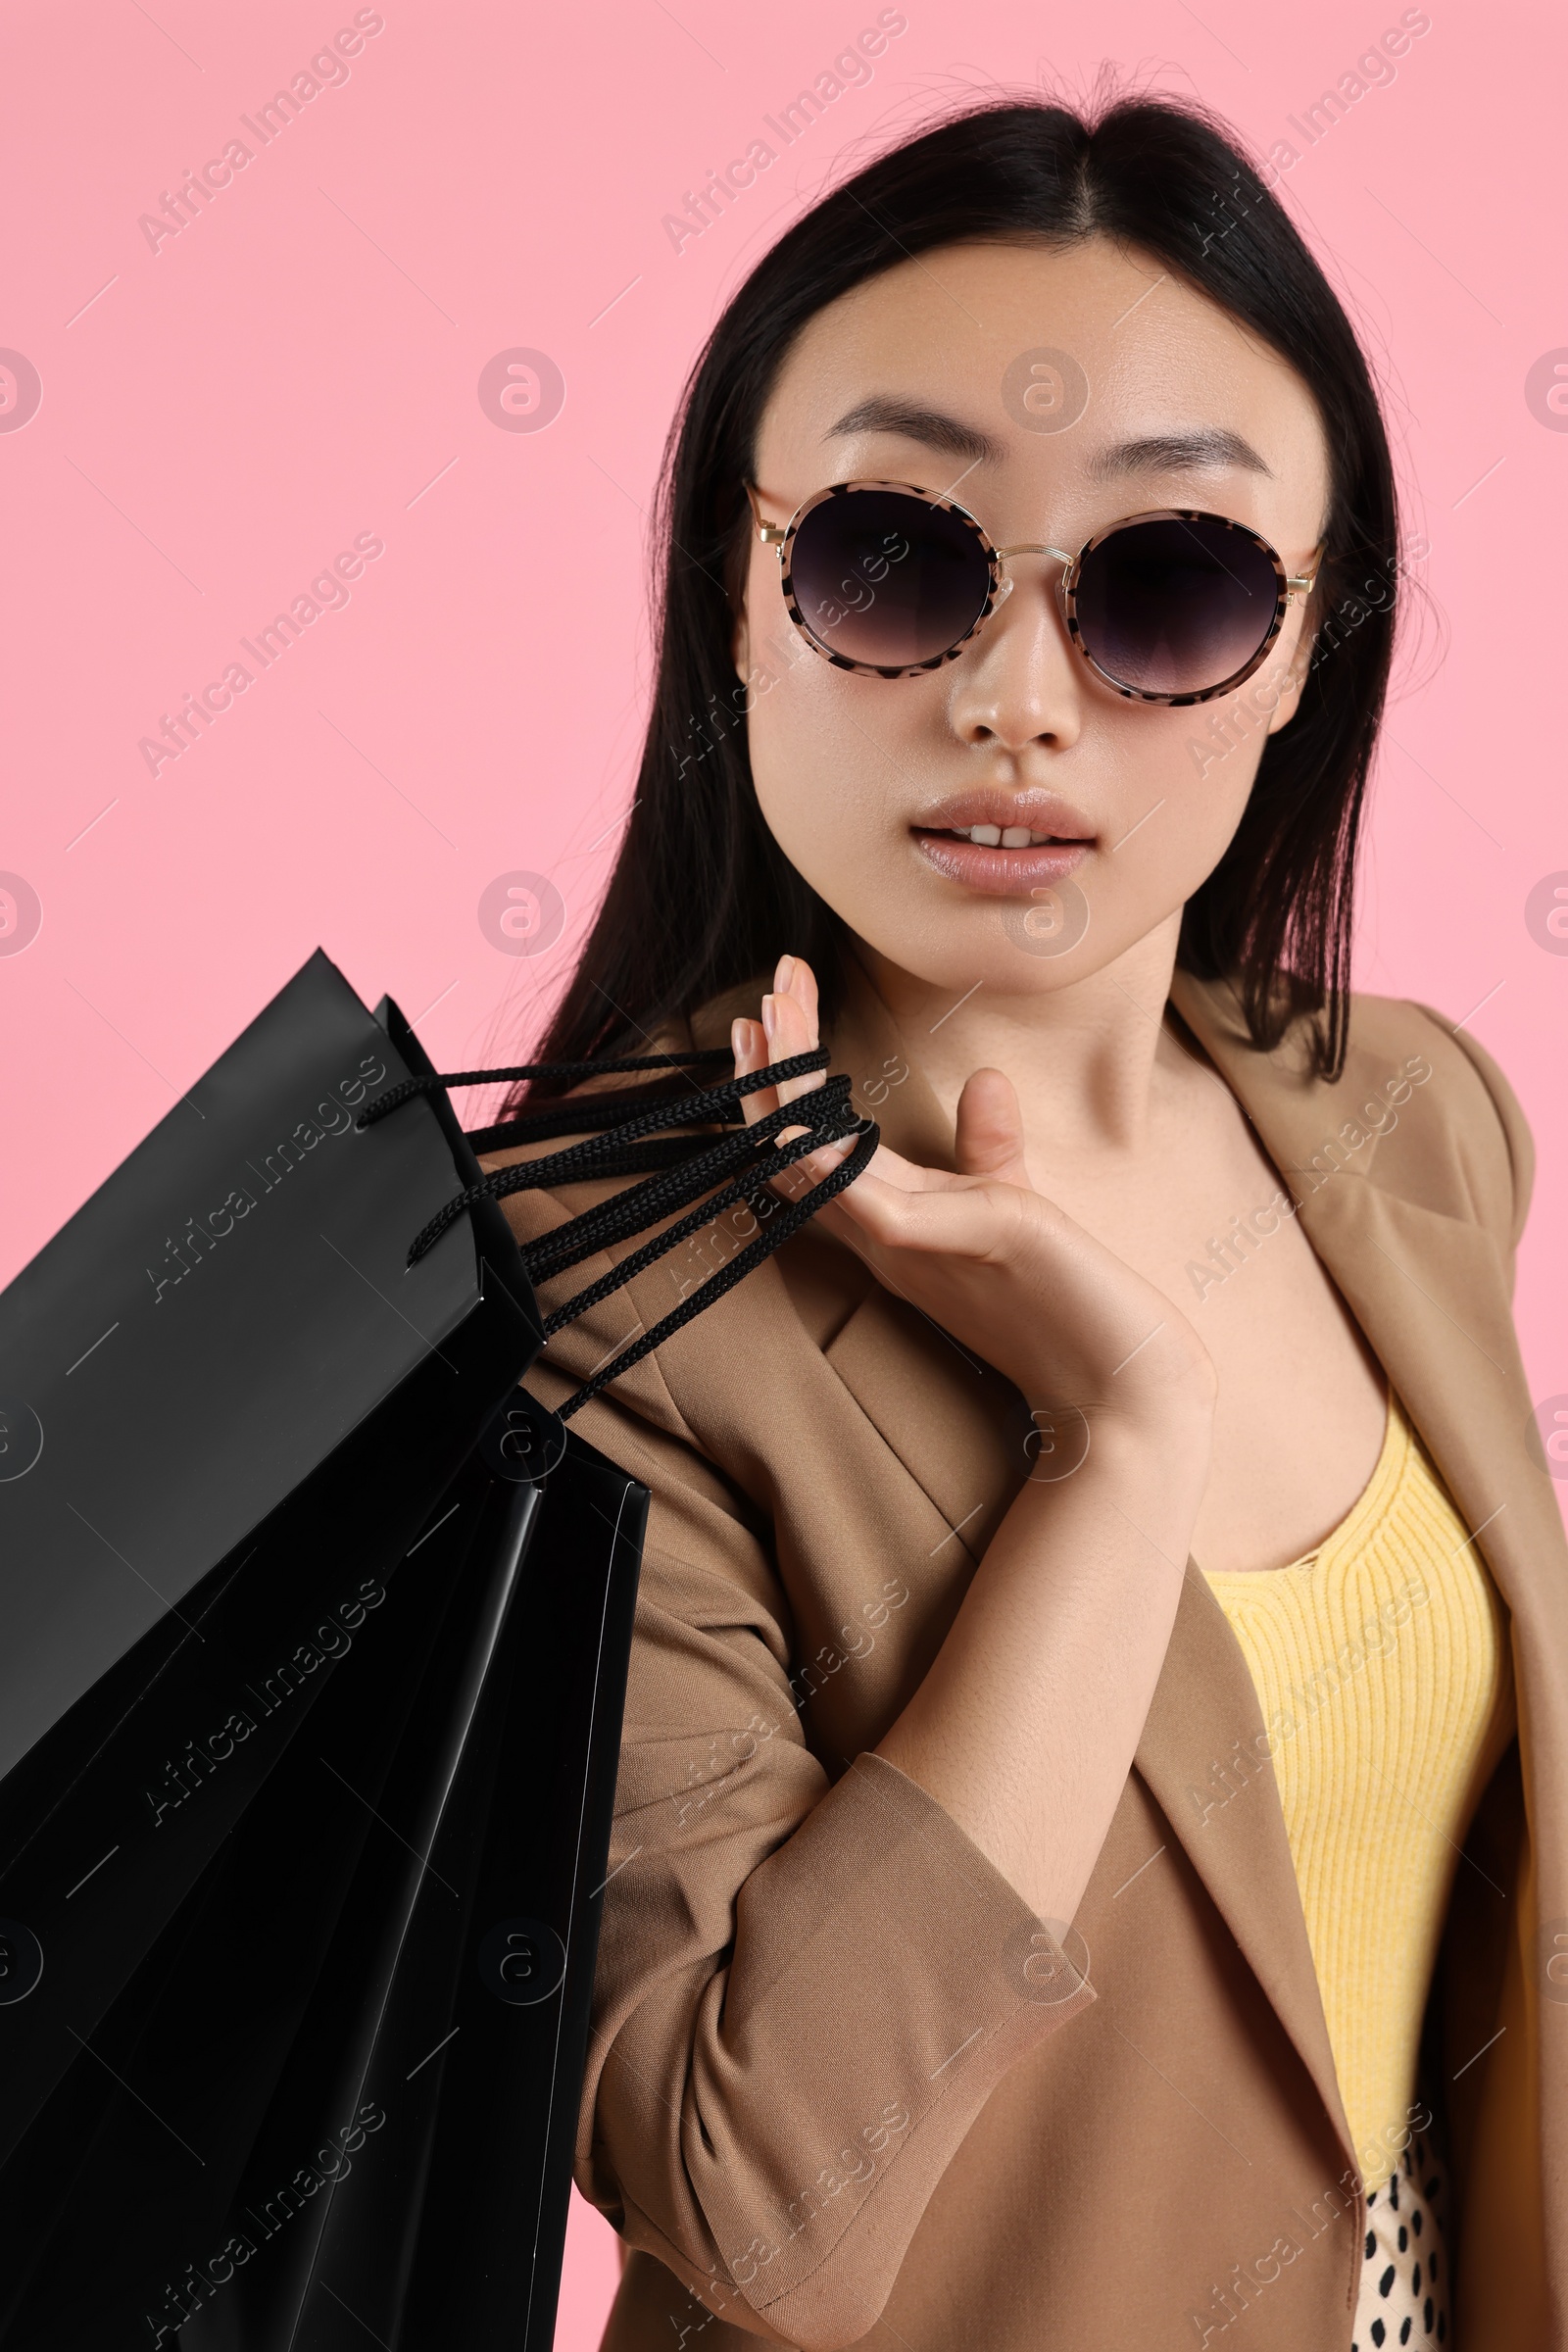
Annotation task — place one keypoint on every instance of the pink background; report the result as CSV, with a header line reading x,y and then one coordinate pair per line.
x,y
301,365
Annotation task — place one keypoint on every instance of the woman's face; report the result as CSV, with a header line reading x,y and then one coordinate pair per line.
x,y
864,781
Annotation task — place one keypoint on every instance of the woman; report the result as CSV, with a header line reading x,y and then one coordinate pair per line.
x,y
1076,1879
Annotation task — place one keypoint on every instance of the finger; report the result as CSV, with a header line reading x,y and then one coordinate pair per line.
x,y
870,1236
988,1140
752,1052
963,1223
749,1045
796,978
908,1176
789,1017
809,1170
789,1032
789,1021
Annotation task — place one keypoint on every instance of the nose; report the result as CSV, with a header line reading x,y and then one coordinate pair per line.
x,y
1020,681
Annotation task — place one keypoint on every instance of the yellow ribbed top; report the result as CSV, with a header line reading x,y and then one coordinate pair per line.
x,y
1382,1667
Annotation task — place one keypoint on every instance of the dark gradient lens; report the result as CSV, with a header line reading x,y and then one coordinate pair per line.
x,y
1174,606
881,577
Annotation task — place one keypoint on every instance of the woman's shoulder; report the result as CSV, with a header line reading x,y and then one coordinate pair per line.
x,y
1469,1102
1421,1107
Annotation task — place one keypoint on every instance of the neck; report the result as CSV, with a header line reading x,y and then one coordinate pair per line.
x,y
1089,1057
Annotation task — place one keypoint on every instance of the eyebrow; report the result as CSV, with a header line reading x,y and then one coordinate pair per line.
x,y
1205,445
1201,447
907,418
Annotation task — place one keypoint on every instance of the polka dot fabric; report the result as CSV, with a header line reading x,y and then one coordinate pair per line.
x,y
1403,2297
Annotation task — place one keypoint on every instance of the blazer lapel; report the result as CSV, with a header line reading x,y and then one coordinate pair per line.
x,y
1204,1758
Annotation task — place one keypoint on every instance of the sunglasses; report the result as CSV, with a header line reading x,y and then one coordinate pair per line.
x,y
1174,606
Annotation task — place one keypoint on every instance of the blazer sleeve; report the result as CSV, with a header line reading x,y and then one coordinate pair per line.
x,y
808,1984
1517,1139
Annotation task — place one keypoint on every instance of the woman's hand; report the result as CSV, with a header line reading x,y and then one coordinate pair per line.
x,y
989,1258
1026,1723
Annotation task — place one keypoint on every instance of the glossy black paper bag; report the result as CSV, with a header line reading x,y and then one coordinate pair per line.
x,y
229,1405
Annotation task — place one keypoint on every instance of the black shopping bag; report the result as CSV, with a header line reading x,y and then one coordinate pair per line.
x,y
317,1633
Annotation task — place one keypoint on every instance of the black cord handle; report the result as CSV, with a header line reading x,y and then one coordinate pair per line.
x,y
642,1204
681,1171
787,1222
583,1161
575,1070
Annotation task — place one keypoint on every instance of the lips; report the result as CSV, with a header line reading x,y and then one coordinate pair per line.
x,y
1003,845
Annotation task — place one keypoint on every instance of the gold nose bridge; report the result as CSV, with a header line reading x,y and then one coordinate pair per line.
x,y
1031,547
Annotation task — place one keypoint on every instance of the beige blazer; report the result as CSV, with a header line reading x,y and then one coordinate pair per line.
x,y
842,2085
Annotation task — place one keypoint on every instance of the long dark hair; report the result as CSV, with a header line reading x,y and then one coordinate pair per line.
x,y
702,898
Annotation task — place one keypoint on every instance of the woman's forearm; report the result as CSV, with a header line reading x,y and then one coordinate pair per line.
x,y
1025,1727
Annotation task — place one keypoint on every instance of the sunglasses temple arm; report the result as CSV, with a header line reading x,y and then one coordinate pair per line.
x,y
771,534
1304,583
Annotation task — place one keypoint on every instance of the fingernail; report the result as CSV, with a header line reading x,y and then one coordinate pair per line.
x,y
784,975
770,1017
737,1038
